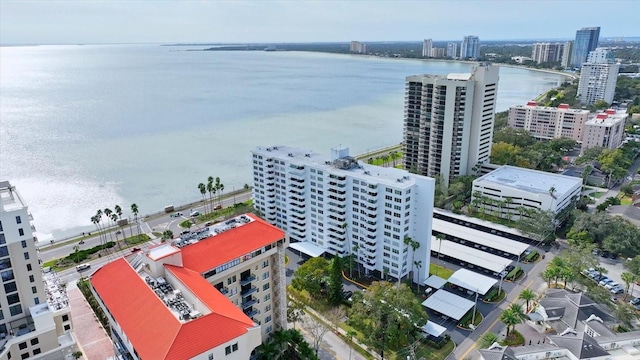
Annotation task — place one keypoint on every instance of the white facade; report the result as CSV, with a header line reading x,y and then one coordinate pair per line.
x,y
547,52
358,47
427,45
343,206
549,122
437,53
35,320
526,188
567,50
452,50
448,123
597,82
470,47
605,130
600,56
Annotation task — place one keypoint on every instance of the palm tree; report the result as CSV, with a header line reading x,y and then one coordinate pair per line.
x,y
440,237
385,158
107,213
350,334
203,190
114,219
507,203
527,295
217,187
267,351
628,279
393,156
210,189
418,264
509,318
414,246
281,338
247,187
221,188
134,210
118,210
76,251
547,275
100,227
518,310
552,190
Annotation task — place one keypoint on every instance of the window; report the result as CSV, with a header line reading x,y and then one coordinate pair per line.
x,y
7,275
267,297
1,226
267,308
15,310
67,327
234,347
265,287
265,264
24,243
1,315
10,287
65,317
36,300
21,233
28,267
22,345
210,356
31,278
35,341
265,275
231,348
26,256
3,249
18,220
24,356
267,319
36,351
13,298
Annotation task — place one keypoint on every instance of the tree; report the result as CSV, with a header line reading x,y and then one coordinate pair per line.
x,y
539,225
76,252
311,276
628,279
387,315
267,351
134,210
503,153
350,335
510,319
334,292
210,190
203,190
633,265
295,311
527,295
167,234
600,104
487,339
77,354
316,329
517,137
626,313
281,338
414,246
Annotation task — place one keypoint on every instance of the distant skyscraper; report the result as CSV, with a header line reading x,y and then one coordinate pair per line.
x,y
427,46
358,47
437,53
547,52
567,49
470,48
586,41
452,50
448,122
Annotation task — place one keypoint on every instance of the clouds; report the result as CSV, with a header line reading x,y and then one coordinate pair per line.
x,y
289,21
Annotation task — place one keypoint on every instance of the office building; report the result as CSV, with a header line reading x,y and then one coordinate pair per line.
x,y
597,82
427,45
547,52
215,294
567,49
585,42
547,123
452,50
448,122
470,47
511,190
35,319
605,130
340,206
358,47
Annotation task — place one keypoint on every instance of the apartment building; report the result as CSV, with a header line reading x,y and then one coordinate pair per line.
x,y
35,319
549,122
437,53
358,47
605,130
470,47
342,206
452,50
427,46
597,82
547,52
448,122
513,190
567,50
216,293
586,41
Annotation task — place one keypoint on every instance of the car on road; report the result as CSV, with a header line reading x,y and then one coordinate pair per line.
x,y
208,223
118,232
83,267
185,232
195,213
177,214
81,242
135,249
217,207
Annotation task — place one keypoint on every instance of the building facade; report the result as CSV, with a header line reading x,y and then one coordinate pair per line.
x,y
567,50
358,47
601,56
343,207
164,302
35,319
470,47
448,122
547,52
585,42
597,82
511,190
549,122
437,53
605,130
427,45
452,50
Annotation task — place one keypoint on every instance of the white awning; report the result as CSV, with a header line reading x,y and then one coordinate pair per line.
x,y
448,304
481,238
433,329
435,282
308,248
473,281
470,255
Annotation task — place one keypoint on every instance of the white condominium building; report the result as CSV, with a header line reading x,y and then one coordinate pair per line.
x,y
448,122
605,130
597,82
567,50
35,319
549,122
342,206
358,47
547,52
427,46
470,47
452,50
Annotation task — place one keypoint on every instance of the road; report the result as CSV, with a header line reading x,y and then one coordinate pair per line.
x,y
158,223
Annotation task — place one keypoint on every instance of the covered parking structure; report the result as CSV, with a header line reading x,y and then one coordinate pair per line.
x,y
448,304
433,329
308,248
435,282
473,281
470,257
479,239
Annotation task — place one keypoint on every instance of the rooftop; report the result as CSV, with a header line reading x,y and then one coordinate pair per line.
x,y
10,199
373,174
608,118
530,180
561,107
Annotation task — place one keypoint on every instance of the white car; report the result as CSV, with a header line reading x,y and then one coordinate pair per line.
x,y
195,213
604,281
611,285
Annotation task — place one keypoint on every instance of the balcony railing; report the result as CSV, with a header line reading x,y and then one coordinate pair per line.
x,y
249,302
249,291
246,280
252,313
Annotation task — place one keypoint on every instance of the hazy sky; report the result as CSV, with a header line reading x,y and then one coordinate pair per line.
x,y
118,21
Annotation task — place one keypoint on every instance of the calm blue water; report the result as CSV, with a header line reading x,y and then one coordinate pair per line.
x,y
88,127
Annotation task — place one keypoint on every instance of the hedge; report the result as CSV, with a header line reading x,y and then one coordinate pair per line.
x,y
82,255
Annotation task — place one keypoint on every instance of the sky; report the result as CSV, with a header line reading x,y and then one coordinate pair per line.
x,y
150,21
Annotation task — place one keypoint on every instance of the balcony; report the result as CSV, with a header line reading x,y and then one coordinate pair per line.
x,y
339,192
246,280
251,313
249,302
248,291
337,198
340,185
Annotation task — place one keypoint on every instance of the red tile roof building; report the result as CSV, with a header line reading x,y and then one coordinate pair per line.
x,y
198,299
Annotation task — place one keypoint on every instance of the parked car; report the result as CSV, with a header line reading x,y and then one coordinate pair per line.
x,y
613,256
598,277
617,290
613,299
611,285
347,294
185,232
605,254
208,223
217,207
604,281
635,301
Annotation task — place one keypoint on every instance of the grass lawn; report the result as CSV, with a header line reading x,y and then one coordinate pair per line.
x,y
626,201
440,271
430,353
597,194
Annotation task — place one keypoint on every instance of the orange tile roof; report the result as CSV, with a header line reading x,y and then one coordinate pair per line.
x,y
229,245
150,326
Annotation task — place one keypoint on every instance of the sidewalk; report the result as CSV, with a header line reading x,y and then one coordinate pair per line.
x,y
92,339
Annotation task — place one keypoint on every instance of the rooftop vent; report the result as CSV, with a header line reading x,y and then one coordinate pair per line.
x,y
307,155
290,154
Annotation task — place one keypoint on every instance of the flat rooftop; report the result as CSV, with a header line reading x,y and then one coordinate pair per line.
x,y
10,199
530,180
549,108
372,174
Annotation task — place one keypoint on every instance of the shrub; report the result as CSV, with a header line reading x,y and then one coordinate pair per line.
x,y
532,256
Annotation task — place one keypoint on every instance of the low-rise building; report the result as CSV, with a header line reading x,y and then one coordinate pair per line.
x,y
216,293
605,130
511,190
549,122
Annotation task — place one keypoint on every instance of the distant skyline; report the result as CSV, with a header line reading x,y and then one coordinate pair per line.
x,y
73,22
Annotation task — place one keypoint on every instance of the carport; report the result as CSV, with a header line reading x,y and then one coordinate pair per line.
x,y
448,304
469,255
473,281
308,248
433,329
435,282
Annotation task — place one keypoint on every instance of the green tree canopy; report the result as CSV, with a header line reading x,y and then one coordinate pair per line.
x,y
311,275
517,137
